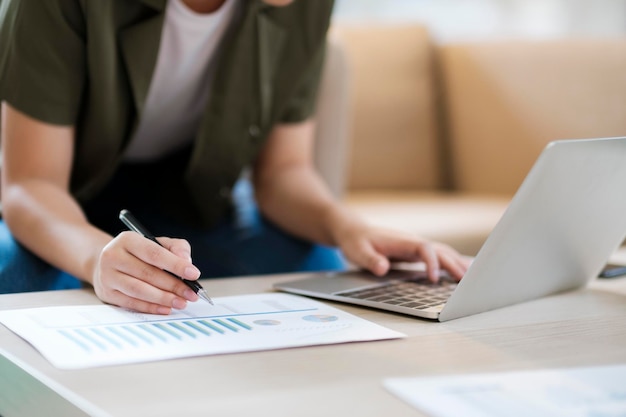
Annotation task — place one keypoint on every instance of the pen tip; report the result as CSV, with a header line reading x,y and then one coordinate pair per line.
x,y
202,294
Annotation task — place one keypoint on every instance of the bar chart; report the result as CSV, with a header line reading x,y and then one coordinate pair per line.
x,y
74,337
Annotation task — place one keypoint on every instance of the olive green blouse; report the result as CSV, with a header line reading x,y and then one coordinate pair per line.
x,y
89,63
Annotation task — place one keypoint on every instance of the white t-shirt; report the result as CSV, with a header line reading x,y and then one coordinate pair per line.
x,y
180,85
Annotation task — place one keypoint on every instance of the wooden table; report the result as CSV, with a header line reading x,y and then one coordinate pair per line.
x,y
580,328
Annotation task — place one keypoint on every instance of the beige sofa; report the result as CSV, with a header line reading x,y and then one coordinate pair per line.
x,y
441,135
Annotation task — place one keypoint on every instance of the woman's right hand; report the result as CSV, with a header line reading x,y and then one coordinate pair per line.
x,y
131,273
41,213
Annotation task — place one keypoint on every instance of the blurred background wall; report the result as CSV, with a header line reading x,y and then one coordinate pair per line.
x,y
454,20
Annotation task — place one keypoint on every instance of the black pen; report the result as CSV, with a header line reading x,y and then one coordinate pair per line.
x,y
133,224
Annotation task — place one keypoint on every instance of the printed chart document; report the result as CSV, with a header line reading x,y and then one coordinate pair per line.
x,y
73,337
571,392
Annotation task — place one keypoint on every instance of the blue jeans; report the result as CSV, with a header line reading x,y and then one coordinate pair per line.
x,y
21,271
243,243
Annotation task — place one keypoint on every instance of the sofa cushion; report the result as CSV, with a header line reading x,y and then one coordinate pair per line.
x,y
505,101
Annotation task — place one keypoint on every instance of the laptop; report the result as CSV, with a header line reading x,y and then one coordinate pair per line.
x,y
560,228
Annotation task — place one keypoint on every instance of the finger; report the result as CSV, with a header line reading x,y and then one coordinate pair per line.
x,y
463,263
123,300
119,257
153,277
452,261
158,256
179,247
364,255
428,254
400,248
142,290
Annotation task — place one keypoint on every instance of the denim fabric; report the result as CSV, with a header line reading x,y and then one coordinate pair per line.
x,y
246,243
21,271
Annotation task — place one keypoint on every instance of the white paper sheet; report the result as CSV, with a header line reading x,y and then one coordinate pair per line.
x,y
571,392
74,337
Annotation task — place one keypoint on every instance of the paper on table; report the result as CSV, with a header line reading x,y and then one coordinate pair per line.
x,y
73,337
571,392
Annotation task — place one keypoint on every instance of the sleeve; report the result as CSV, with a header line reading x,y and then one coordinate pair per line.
x,y
302,104
42,58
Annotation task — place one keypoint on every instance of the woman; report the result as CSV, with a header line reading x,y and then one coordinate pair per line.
x,y
159,107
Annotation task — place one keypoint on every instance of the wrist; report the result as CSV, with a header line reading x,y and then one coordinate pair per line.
x,y
340,222
92,263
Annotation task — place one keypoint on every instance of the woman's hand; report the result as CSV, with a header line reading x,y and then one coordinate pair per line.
x,y
374,248
131,273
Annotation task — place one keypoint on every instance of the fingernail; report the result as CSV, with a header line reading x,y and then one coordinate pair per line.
x,y
435,276
380,267
192,272
190,295
179,304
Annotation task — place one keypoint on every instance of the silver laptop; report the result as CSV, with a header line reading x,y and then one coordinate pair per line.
x,y
566,219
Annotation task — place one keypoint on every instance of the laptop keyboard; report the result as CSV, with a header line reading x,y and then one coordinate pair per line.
x,y
420,294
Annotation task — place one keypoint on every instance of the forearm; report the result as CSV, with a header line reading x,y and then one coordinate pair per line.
x,y
299,202
48,221
128,270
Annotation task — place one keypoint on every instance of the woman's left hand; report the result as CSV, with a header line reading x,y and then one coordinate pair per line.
x,y
374,248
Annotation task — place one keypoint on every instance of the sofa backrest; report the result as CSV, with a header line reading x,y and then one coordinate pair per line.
x,y
394,136
473,116
504,101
